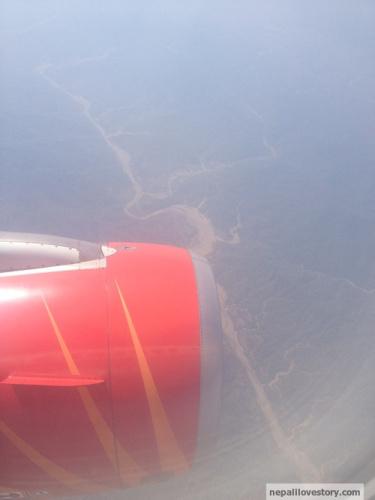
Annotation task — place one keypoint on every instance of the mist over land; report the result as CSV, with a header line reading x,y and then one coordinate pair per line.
x,y
242,130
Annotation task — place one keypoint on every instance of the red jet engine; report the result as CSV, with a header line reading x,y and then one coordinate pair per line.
x,y
110,362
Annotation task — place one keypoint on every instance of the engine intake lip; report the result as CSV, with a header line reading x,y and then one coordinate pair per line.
x,y
211,358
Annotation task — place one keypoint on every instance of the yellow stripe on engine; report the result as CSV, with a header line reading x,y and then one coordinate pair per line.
x,y
170,454
53,470
130,472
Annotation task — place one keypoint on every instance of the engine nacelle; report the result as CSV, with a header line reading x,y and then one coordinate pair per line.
x,y
110,364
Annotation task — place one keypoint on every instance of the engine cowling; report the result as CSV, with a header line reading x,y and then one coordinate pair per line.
x,y
110,363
